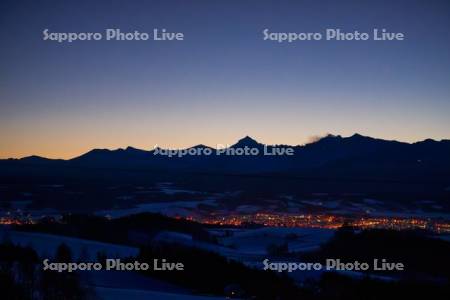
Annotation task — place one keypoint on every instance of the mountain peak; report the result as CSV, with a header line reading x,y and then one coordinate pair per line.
x,y
359,136
247,141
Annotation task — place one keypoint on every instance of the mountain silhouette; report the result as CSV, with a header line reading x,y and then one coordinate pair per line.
x,y
332,155
247,142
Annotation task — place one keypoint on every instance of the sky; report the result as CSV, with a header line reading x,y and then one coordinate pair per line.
x,y
223,81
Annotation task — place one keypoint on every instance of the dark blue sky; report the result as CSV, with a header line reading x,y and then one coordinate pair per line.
x,y
223,81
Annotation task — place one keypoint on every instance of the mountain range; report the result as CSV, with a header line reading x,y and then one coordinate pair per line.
x,y
330,156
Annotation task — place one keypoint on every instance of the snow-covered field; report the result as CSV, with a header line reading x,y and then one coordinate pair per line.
x,y
186,240
249,246
256,240
174,208
106,284
46,244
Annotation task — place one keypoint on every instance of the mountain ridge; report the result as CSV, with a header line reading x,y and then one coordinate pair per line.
x,y
245,141
332,155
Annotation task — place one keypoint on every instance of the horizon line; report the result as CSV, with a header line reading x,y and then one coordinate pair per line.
x,y
313,139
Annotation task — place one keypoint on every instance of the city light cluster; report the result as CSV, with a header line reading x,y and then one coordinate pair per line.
x,y
324,221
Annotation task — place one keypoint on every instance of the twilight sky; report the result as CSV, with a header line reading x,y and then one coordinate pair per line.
x,y
223,81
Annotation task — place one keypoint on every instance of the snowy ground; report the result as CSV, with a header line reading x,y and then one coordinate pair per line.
x,y
186,240
174,208
46,244
249,246
256,240
106,284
